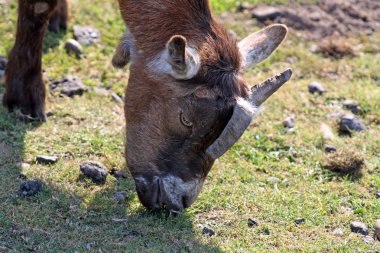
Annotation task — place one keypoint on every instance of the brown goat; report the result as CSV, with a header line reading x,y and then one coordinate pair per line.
x,y
186,102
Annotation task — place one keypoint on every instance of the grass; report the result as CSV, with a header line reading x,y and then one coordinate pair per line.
x,y
71,215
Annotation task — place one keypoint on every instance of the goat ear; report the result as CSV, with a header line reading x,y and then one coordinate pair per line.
x,y
123,51
260,45
184,60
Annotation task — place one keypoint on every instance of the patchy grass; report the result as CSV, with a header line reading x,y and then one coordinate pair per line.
x,y
345,161
77,216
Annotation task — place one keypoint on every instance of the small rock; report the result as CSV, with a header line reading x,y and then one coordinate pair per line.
x,y
350,122
23,165
101,91
47,160
316,87
314,48
30,188
3,62
208,231
378,195
352,106
243,6
273,180
289,122
377,229
119,174
299,221
88,246
330,149
327,132
69,86
359,228
86,35
96,171
264,13
133,234
368,239
335,115
22,176
338,232
73,47
121,196
252,222
315,16
117,98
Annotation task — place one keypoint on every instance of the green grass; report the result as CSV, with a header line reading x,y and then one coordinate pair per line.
x,y
70,214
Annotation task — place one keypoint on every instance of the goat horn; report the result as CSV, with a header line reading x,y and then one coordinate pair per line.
x,y
244,112
261,92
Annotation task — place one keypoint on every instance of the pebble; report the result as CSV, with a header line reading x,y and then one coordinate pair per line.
x,y
273,180
264,13
243,6
101,91
47,160
133,234
368,239
316,87
330,149
121,196
359,228
289,122
377,229
119,174
352,106
378,195
327,132
23,176
96,171
252,222
117,98
73,47
350,122
86,35
30,188
69,86
299,221
334,115
314,48
23,165
3,62
208,231
338,232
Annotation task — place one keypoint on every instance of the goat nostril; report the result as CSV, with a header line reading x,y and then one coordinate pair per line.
x,y
185,202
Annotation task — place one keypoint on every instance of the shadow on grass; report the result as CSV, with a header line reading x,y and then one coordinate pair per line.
x,y
59,220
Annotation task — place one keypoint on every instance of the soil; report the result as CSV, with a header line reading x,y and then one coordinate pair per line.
x,y
329,18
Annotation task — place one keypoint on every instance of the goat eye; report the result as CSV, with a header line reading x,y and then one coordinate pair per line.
x,y
185,121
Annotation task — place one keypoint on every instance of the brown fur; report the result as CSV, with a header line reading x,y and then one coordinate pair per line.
x,y
24,87
171,119
60,17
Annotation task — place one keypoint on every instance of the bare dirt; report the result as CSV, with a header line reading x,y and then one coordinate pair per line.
x,y
327,17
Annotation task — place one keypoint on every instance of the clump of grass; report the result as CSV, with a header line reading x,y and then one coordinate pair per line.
x,y
346,161
337,47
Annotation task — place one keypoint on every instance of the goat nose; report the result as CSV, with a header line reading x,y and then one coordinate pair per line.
x,y
149,191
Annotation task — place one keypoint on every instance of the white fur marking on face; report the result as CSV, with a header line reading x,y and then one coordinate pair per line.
x,y
175,189
40,7
160,64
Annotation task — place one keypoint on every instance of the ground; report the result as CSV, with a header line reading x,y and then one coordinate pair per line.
x,y
271,175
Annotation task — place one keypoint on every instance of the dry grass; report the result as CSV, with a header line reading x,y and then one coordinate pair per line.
x,y
347,161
